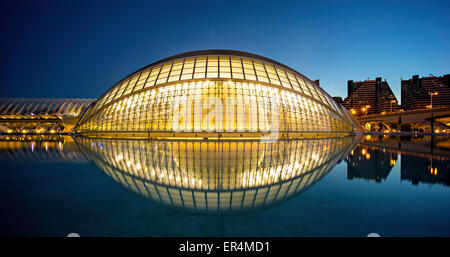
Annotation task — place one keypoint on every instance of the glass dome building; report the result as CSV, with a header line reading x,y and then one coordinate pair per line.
x,y
216,94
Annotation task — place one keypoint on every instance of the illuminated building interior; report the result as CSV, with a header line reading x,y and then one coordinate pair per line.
x,y
215,94
216,175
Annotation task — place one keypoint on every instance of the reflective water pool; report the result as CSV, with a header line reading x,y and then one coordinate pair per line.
x,y
393,186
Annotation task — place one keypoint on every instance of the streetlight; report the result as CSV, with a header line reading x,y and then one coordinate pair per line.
x,y
366,109
431,95
353,111
393,101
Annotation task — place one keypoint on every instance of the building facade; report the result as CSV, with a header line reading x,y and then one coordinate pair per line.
x,y
421,93
338,99
41,115
369,97
216,94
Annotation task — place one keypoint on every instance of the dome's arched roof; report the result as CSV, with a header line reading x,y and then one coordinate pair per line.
x,y
216,65
275,73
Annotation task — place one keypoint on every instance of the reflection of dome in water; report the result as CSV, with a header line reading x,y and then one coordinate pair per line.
x,y
216,175
234,93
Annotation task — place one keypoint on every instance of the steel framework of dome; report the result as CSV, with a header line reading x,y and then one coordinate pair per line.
x,y
43,107
216,94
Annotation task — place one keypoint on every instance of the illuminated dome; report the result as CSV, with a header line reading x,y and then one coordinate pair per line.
x,y
216,94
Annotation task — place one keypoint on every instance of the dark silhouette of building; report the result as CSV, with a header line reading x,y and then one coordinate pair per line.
x,y
369,97
425,170
416,92
338,99
317,82
369,164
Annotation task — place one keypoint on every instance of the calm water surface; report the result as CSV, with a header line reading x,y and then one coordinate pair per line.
x,y
393,186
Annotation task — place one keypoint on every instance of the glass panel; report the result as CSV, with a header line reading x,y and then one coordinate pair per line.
x,y
283,78
248,69
200,68
188,69
260,72
303,85
132,83
213,69
176,71
153,75
122,88
294,82
225,67
162,78
272,74
236,66
142,79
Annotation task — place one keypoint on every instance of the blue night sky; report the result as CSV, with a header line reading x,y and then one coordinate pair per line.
x,y
80,49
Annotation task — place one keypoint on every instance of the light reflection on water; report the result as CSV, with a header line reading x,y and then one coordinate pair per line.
x,y
216,175
235,177
423,160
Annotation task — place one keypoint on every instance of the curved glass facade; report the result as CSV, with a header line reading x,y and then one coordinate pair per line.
x,y
215,92
232,175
